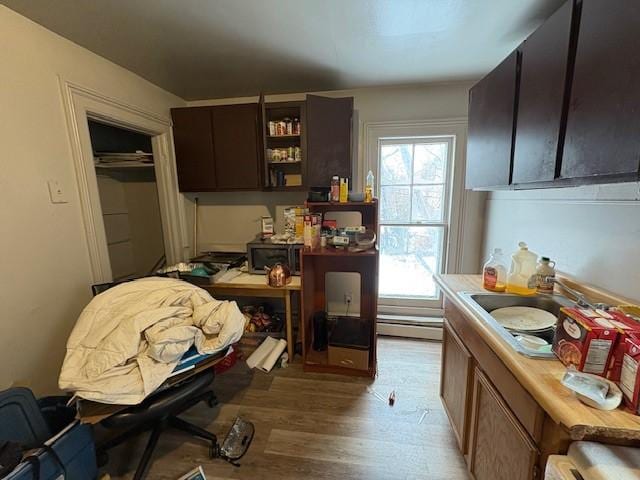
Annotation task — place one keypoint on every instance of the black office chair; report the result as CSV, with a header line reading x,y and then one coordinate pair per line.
x,y
159,412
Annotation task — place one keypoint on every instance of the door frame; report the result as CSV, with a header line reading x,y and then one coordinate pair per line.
x,y
457,127
81,104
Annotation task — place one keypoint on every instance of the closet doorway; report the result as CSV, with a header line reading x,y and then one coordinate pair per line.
x,y
128,192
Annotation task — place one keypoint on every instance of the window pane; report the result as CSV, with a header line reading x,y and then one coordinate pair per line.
x,y
394,205
427,204
430,162
409,256
395,164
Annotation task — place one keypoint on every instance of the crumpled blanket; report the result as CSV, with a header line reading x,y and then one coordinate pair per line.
x,y
129,339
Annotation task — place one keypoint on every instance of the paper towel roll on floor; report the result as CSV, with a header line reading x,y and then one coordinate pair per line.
x,y
267,354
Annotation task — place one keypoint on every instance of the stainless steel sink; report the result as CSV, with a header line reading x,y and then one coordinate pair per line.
x,y
485,303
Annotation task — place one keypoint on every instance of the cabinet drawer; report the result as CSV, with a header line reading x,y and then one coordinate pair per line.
x,y
349,357
524,407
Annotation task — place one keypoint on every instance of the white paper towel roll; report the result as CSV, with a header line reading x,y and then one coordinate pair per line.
x,y
273,356
267,354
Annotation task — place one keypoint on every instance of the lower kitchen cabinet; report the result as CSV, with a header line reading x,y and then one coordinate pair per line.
x,y
500,428
455,384
499,448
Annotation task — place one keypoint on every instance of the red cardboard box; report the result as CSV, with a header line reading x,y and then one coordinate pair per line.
x,y
585,338
627,327
629,379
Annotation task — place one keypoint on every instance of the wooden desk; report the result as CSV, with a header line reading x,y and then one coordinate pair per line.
x,y
249,285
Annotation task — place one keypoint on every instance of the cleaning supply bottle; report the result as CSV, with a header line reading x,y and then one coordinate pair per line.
x,y
344,190
368,189
545,273
522,278
494,272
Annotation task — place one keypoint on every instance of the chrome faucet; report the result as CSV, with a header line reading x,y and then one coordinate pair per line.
x,y
581,299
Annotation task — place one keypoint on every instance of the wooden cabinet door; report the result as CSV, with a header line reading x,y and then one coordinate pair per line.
x,y
328,122
541,101
455,384
193,140
500,448
492,105
236,146
604,111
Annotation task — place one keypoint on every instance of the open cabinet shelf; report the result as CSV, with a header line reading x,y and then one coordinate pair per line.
x,y
315,264
278,173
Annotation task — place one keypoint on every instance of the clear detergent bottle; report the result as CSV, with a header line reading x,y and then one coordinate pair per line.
x,y
522,278
494,272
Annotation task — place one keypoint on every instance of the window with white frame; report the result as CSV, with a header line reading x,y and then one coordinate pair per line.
x,y
414,210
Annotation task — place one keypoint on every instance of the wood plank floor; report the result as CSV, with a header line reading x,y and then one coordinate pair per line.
x,y
319,426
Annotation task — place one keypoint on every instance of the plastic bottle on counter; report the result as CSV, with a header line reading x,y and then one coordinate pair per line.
x,y
335,189
344,190
546,270
494,272
522,278
368,189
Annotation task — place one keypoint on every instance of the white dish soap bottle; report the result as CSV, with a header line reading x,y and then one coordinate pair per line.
x,y
522,278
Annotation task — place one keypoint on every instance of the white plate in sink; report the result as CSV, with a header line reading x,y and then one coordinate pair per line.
x,y
524,319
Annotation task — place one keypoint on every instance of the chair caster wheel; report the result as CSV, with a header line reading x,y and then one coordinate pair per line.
x,y
102,458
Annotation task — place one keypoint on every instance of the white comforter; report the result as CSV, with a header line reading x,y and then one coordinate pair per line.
x,y
129,339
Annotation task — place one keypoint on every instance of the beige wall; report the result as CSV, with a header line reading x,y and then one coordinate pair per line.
x,y
45,266
591,232
230,220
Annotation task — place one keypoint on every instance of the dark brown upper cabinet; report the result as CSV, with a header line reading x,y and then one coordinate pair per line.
x,y
193,140
217,148
541,101
492,119
328,136
602,140
236,146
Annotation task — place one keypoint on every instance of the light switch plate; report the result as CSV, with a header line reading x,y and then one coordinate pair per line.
x,y
56,192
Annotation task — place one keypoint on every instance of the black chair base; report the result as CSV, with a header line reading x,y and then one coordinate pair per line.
x,y
159,424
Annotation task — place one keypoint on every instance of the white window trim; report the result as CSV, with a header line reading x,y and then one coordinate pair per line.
x,y
457,127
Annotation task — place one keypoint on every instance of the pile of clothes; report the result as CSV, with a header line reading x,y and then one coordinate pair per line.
x,y
129,339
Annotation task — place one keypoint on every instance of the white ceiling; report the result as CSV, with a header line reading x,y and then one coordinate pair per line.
x,y
201,49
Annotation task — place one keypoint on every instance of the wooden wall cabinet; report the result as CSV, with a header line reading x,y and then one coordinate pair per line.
x,y
492,119
541,102
193,140
574,108
329,147
225,147
602,140
500,448
455,384
217,148
236,147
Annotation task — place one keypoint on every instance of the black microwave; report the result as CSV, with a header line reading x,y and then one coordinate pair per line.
x,y
264,253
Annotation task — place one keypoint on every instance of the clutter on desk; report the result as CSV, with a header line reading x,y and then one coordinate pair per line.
x,y
267,226
130,338
207,268
267,354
